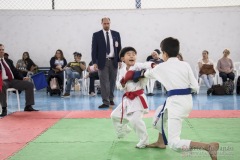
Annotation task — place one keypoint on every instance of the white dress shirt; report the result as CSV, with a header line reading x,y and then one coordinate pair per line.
x,y
111,54
4,75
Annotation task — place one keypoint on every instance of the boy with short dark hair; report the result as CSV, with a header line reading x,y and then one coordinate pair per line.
x,y
134,103
178,79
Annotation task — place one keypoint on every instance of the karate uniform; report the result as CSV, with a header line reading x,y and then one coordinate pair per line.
x,y
174,74
133,110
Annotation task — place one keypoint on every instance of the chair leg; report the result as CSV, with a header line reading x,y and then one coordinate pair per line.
x,y
7,98
17,93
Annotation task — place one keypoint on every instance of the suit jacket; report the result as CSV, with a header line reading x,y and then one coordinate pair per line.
x,y
99,49
16,73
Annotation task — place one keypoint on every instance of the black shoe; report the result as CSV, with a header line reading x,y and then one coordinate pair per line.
x,y
29,108
4,112
209,91
150,94
104,106
112,103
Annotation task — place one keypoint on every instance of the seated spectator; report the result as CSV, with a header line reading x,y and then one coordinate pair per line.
x,y
180,57
206,71
57,63
74,70
225,67
93,75
149,57
156,59
6,56
11,78
25,65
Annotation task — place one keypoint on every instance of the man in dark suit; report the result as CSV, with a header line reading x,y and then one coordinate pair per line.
x,y
11,78
106,45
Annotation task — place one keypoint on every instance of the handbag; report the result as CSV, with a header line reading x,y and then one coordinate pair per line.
x,y
218,90
54,84
76,85
207,69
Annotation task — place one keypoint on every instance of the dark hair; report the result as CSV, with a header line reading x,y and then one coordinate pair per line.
x,y
125,50
26,54
61,52
171,46
77,54
105,18
157,50
6,54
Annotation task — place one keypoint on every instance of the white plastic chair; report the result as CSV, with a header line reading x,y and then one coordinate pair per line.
x,y
236,69
96,84
197,75
17,93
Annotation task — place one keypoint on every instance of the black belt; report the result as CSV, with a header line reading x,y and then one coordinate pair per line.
x,y
110,58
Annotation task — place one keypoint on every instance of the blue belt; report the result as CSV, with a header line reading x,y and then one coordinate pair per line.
x,y
169,94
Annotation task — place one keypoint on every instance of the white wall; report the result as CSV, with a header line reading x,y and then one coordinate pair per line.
x,y
41,33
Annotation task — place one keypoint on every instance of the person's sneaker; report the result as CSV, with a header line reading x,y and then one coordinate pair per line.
x,y
92,94
66,95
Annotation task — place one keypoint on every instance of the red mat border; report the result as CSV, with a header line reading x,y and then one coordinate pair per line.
x,y
9,122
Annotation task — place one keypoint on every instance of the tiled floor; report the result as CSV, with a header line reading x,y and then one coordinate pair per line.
x,y
77,101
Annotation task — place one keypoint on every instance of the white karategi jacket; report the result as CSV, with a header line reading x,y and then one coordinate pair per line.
x,y
135,104
175,74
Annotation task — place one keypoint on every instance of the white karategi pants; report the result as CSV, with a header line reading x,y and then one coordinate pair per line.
x,y
136,122
177,108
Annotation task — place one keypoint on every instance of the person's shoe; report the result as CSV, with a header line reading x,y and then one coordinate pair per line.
x,y
4,112
66,95
150,94
112,103
92,94
104,106
98,91
29,108
209,91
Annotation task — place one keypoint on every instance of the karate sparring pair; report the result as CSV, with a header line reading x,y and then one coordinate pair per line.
x,y
178,79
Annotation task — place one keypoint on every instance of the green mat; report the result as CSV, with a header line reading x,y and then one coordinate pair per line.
x,y
90,139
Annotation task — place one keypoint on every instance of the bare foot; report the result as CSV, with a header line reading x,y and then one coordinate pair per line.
x,y
212,150
156,145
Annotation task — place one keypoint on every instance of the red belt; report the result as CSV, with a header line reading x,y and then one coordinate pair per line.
x,y
132,95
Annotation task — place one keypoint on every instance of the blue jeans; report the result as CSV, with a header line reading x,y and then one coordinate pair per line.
x,y
71,75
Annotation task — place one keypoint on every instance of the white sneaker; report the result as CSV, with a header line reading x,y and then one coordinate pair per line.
x,y
92,94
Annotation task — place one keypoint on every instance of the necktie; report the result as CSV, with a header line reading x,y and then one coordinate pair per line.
x,y
108,44
8,72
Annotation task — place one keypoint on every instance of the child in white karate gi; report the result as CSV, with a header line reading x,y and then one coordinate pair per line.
x,y
134,103
178,79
